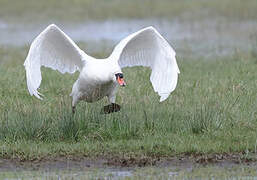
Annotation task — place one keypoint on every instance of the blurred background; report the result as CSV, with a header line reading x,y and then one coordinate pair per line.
x,y
195,28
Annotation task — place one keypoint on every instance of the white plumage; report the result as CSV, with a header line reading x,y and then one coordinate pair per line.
x,y
98,78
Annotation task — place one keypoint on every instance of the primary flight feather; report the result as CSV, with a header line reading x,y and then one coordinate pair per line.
x,y
99,78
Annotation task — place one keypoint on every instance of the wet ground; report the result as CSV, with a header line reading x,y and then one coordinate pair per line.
x,y
203,38
191,167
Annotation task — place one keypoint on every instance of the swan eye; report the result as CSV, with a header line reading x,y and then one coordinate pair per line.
x,y
119,75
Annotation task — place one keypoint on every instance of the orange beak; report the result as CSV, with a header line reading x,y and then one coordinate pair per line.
x,y
121,81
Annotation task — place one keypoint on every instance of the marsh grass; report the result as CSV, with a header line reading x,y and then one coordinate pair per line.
x,y
213,109
83,10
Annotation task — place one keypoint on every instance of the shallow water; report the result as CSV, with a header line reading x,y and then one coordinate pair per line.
x,y
99,169
207,172
198,38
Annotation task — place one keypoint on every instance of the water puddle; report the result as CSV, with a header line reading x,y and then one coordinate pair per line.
x,y
198,38
136,173
98,169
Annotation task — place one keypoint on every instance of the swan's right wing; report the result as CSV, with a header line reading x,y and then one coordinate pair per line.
x,y
54,49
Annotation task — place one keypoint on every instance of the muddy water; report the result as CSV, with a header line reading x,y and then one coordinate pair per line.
x,y
135,173
98,169
198,38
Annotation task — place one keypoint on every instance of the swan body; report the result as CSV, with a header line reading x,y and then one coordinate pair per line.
x,y
96,81
101,77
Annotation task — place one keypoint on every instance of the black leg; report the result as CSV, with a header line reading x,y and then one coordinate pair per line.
x,y
73,109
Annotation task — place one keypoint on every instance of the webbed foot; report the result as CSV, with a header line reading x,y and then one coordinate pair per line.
x,y
111,108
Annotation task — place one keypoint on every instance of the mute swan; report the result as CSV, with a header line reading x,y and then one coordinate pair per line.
x,y
99,78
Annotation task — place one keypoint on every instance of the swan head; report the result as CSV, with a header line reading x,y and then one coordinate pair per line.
x,y
120,79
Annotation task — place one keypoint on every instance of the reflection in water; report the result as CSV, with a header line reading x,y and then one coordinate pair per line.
x,y
122,173
198,38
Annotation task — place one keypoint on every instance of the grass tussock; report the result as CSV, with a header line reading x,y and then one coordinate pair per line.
x,y
213,109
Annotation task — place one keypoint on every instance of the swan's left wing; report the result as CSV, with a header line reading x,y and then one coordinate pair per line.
x,y
148,48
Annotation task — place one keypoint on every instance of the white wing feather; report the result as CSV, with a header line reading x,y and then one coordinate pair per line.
x,y
148,48
54,49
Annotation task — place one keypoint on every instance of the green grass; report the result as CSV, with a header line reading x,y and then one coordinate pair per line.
x,y
213,110
82,10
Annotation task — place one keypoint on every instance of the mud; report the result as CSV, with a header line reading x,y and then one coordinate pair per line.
x,y
184,161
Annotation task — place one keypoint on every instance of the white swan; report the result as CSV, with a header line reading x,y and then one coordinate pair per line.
x,y
99,78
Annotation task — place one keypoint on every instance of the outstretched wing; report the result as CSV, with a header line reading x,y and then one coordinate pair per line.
x,y
148,48
54,49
